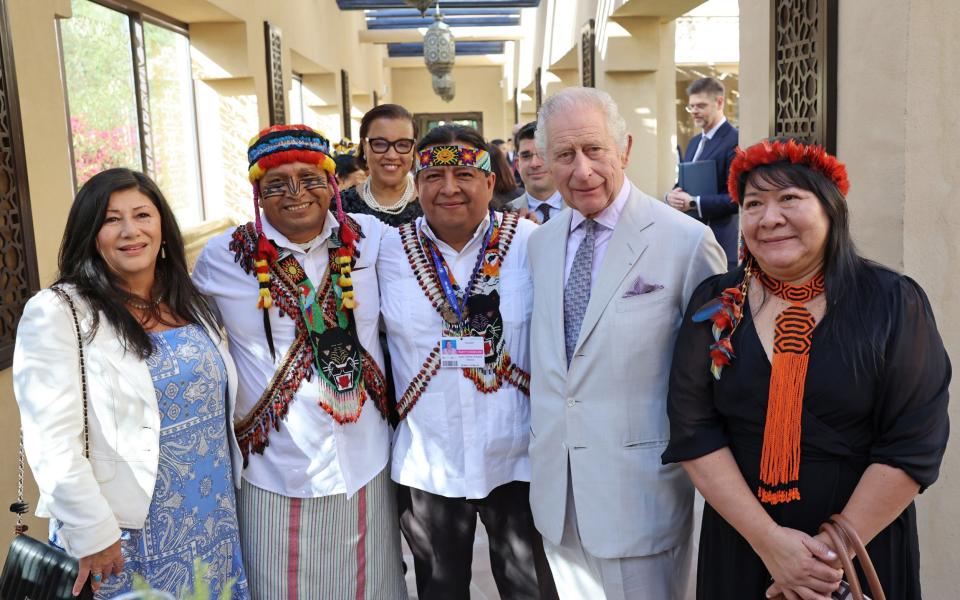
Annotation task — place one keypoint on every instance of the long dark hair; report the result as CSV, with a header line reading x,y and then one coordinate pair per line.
x,y
506,184
382,111
451,134
82,265
850,280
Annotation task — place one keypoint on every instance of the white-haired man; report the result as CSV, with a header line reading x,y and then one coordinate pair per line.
x,y
611,278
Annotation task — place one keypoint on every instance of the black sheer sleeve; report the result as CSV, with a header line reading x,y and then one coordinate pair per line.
x,y
910,420
696,428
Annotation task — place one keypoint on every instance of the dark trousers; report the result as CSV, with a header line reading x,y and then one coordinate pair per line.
x,y
440,532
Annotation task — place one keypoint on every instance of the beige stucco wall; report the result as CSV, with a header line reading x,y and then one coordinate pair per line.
x,y
232,82
896,130
478,89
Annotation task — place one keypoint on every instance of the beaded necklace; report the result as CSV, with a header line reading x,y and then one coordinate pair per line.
x,y
485,282
366,194
315,312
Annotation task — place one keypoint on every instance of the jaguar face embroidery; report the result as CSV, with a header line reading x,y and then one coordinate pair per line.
x,y
484,320
338,358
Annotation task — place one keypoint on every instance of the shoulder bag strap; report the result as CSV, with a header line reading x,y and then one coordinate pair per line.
x,y
21,507
853,540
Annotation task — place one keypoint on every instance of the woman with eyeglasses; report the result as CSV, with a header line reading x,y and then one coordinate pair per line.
x,y
388,135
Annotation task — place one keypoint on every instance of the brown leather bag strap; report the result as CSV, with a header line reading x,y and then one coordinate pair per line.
x,y
854,541
838,541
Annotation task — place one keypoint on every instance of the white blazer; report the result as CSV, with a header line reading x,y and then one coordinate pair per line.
x,y
93,498
606,415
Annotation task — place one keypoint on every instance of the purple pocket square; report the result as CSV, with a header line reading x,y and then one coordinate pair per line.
x,y
641,287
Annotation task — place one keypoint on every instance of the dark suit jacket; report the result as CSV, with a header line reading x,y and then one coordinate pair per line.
x,y
718,210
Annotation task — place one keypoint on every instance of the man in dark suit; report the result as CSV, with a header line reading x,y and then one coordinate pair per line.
x,y
717,142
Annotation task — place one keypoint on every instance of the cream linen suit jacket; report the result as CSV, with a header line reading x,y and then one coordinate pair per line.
x,y
607,413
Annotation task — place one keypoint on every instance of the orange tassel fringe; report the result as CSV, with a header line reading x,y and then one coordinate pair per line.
x,y
793,335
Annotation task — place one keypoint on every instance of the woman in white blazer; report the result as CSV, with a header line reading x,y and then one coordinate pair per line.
x,y
157,489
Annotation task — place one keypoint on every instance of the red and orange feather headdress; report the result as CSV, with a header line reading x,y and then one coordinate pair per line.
x,y
773,151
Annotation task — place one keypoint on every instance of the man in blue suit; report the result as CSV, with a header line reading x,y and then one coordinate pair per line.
x,y
717,142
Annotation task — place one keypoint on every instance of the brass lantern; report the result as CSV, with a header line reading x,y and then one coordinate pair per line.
x,y
421,5
445,87
439,54
439,49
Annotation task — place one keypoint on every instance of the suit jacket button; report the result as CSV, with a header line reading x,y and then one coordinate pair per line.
x,y
571,402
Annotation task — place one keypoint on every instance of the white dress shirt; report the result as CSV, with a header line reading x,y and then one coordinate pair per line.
x,y
606,222
555,202
311,455
707,136
456,441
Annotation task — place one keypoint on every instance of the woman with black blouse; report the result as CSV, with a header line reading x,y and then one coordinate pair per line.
x,y
388,135
807,382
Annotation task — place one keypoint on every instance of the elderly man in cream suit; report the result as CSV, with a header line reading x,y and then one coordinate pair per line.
x,y
611,281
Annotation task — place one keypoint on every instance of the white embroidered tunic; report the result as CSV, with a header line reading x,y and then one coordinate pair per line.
x,y
456,441
311,455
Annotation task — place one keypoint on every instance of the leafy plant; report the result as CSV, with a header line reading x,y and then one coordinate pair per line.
x,y
201,585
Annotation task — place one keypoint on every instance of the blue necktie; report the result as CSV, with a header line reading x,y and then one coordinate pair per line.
x,y
576,294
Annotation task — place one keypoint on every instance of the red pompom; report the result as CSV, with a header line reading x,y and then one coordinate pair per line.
x,y
266,250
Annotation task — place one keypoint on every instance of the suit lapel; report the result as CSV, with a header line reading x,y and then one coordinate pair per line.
x,y
129,367
555,251
623,251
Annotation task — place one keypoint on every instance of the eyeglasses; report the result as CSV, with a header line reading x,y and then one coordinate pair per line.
x,y
699,107
382,145
293,187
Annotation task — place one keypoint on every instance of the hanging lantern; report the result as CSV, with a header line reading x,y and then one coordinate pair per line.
x,y
439,49
444,86
421,5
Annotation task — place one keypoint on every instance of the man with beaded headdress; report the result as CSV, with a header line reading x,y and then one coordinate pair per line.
x,y
456,301
300,304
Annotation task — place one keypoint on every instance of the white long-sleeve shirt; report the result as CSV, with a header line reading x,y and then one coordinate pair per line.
x,y
456,441
312,455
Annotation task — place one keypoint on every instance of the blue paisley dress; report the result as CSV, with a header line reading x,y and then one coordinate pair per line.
x,y
193,513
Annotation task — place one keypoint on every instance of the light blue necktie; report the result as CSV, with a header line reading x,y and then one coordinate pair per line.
x,y
576,294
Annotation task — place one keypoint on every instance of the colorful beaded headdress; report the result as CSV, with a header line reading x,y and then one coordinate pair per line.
x,y
773,151
453,156
280,145
345,146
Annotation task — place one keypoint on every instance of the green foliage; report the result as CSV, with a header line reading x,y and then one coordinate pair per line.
x,y
201,584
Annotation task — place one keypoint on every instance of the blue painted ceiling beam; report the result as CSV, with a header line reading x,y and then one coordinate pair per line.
x,y
463,49
412,12
445,4
413,23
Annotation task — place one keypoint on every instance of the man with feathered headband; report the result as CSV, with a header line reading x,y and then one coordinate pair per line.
x,y
298,295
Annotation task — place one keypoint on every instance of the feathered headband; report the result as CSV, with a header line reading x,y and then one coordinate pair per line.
x,y
772,151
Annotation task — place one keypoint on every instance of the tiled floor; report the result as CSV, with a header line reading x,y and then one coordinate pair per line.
x,y
482,585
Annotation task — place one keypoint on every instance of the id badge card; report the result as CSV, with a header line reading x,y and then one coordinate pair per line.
x,y
462,352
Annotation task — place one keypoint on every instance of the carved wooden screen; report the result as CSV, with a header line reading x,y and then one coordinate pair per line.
x,y
803,74
345,104
18,266
277,108
538,87
143,95
588,40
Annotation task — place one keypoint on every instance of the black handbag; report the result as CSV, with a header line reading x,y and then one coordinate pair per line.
x,y
35,570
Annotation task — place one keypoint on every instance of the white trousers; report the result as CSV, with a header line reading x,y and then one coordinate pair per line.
x,y
581,576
